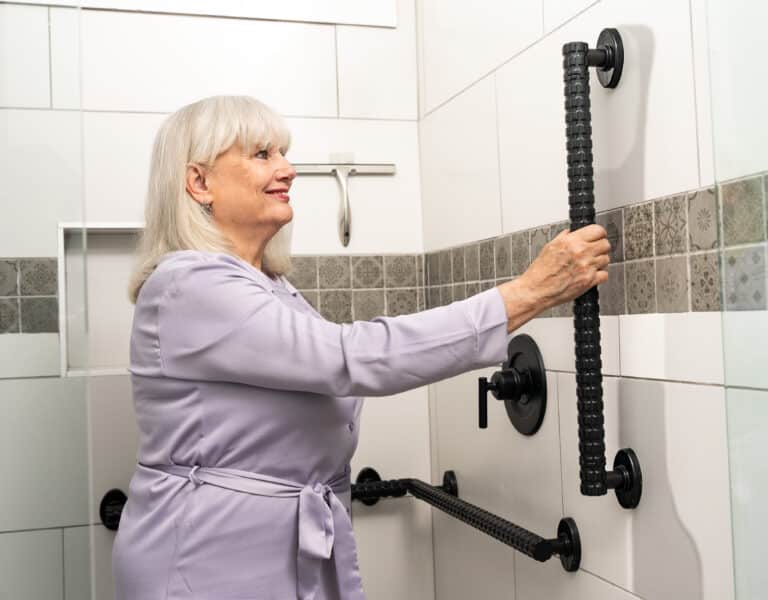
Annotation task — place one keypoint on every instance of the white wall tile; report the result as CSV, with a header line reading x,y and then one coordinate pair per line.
x,y
175,60
739,86
394,541
463,42
685,490
680,347
377,68
644,131
103,583
556,12
65,57
747,426
554,337
357,12
44,422
548,581
116,174
459,167
744,349
30,565
701,72
29,355
469,563
514,476
24,67
77,563
386,209
40,153
114,435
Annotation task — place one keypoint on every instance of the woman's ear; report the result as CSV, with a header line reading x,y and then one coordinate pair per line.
x,y
196,184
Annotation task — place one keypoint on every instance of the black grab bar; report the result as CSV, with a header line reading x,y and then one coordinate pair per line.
x,y
369,488
626,477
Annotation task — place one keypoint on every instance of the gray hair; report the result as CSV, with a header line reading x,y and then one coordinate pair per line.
x,y
198,133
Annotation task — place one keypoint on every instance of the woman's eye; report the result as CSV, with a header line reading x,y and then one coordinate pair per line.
x,y
262,154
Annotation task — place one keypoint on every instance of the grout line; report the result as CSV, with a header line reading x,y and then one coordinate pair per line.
x,y
695,94
662,380
63,568
498,146
510,59
611,583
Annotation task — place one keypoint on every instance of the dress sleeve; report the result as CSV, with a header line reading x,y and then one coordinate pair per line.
x,y
216,322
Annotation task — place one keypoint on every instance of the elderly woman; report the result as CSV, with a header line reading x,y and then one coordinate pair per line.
x,y
248,401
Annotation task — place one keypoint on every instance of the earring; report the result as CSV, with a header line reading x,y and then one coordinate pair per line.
x,y
207,208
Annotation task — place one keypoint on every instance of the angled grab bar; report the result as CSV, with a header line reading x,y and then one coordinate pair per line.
x,y
369,488
626,477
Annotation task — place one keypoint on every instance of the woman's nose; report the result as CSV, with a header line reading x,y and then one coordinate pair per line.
x,y
286,170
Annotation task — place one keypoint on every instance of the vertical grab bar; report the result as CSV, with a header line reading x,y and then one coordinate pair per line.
x,y
626,477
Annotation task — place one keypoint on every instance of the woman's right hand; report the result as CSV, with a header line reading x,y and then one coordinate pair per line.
x,y
568,266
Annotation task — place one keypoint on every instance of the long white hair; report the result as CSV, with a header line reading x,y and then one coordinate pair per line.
x,y
198,133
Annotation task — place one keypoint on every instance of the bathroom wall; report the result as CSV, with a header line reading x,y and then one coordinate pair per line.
x,y
81,95
494,192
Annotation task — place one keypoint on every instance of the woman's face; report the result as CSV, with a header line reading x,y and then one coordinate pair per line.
x,y
249,192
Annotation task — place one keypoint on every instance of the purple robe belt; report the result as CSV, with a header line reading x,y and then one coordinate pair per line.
x,y
325,529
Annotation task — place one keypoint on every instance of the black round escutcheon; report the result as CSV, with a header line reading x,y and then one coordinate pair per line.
x,y
567,528
629,494
368,475
111,508
527,412
610,41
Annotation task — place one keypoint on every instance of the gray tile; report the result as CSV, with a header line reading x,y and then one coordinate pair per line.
x,y
613,300
487,264
705,282
743,212
500,280
312,298
367,304
334,272
433,297
473,288
486,285
472,262
446,267
640,287
37,276
556,228
638,231
367,272
459,291
672,284
401,302
563,310
421,303
446,294
745,286
501,253
703,218
9,274
401,271
420,270
519,253
457,264
670,225
303,274
336,305
539,239
433,268
9,315
39,315
613,222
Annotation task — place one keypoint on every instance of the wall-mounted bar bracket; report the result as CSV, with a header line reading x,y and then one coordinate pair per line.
x,y
369,488
342,172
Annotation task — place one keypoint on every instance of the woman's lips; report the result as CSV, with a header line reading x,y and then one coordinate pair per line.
x,y
281,195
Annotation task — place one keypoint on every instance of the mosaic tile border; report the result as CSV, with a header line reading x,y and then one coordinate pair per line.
x,y
28,301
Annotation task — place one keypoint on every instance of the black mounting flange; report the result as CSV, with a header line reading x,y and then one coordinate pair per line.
x,y
608,57
111,508
368,475
570,558
629,489
521,384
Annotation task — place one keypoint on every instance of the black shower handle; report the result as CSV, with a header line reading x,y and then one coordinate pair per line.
x,y
626,478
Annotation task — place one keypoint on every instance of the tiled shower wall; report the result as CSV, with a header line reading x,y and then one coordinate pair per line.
x,y
688,256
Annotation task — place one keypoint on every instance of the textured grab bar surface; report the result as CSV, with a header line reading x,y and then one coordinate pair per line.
x,y
586,308
521,539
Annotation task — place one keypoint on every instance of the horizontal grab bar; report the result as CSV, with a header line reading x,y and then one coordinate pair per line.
x,y
369,488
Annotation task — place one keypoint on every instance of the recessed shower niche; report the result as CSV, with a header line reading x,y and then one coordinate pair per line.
x,y
95,315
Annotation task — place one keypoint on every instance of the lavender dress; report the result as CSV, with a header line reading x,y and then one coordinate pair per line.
x,y
248,404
